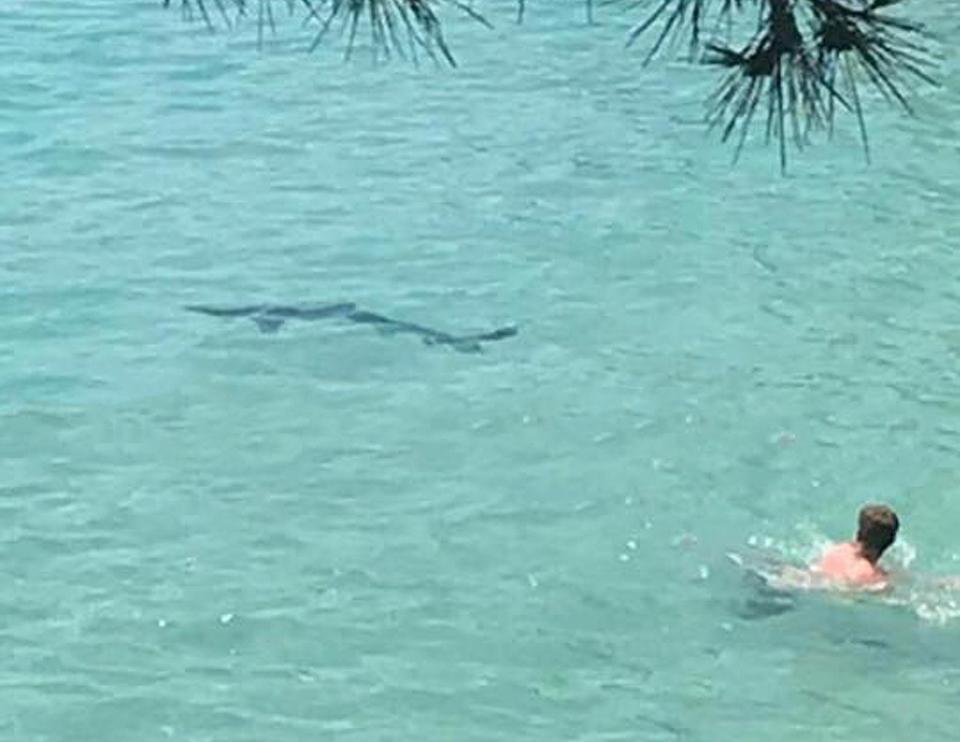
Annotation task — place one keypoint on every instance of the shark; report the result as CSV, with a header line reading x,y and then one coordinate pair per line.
x,y
269,318
430,336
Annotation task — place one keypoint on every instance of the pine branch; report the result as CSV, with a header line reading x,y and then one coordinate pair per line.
x,y
801,60
406,28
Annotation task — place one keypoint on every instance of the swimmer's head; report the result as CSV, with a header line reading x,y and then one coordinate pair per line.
x,y
877,529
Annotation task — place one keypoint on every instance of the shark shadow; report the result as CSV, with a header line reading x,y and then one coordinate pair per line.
x,y
269,318
764,600
430,336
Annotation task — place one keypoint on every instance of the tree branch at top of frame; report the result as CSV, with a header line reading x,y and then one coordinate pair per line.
x,y
800,60
796,61
409,29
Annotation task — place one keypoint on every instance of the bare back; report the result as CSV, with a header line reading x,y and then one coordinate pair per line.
x,y
843,563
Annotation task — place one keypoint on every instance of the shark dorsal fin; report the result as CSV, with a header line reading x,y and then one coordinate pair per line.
x,y
267,325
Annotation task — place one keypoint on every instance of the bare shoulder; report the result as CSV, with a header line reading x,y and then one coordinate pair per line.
x,y
835,556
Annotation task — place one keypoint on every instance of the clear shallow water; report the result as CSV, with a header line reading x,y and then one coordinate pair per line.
x,y
214,534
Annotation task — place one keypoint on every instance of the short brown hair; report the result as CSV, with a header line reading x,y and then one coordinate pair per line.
x,y
877,528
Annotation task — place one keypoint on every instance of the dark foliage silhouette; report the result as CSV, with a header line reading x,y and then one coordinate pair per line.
x,y
796,62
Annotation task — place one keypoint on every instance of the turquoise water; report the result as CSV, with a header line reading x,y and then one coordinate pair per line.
x,y
211,533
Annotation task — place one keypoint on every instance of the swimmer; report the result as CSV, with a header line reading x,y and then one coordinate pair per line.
x,y
856,563
849,567
852,565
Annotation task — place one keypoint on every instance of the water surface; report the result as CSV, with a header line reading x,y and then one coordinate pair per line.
x,y
211,533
